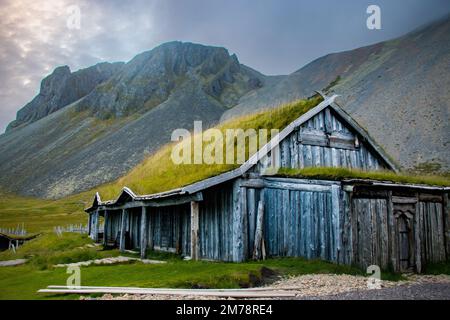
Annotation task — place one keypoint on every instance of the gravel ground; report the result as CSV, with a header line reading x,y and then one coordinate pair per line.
x,y
336,287
423,291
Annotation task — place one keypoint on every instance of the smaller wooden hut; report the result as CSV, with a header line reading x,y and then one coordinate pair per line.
x,y
246,213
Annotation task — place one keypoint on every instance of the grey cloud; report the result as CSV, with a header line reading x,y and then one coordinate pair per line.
x,y
275,37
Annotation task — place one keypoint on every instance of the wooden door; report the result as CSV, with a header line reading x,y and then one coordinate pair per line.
x,y
404,235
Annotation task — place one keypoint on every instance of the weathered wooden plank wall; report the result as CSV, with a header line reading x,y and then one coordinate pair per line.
x,y
301,222
305,218
315,144
113,226
216,224
376,236
169,229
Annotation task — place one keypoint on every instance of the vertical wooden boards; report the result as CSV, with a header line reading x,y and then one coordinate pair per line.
x,y
151,226
371,229
383,232
123,226
393,250
446,213
195,254
417,238
252,212
303,223
244,221
257,248
90,224
433,231
335,222
217,223
238,223
106,228
144,233
313,151
347,240
95,225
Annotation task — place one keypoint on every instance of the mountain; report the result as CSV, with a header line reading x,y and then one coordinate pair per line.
x,y
69,140
61,88
398,90
104,134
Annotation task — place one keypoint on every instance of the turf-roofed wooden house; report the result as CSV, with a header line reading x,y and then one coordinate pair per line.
x,y
246,213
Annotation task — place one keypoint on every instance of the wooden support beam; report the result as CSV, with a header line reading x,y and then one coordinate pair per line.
x,y
156,202
446,214
417,240
123,229
150,228
257,249
336,222
89,224
195,244
244,209
105,228
144,233
95,226
238,223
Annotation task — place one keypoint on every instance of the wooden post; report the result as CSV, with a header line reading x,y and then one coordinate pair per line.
x,y
244,219
123,229
105,228
150,229
194,230
257,250
89,224
392,234
95,226
144,235
446,214
238,224
417,242
335,223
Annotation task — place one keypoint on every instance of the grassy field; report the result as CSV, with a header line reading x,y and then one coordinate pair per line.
x,y
40,215
22,282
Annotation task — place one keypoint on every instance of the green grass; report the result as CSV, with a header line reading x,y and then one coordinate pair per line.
x,y
22,282
40,215
438,268
343,173
50,249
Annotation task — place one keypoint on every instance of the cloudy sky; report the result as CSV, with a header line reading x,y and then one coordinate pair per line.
x,y
272,36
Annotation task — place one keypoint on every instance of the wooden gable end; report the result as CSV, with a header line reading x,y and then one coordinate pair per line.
x,y
326,140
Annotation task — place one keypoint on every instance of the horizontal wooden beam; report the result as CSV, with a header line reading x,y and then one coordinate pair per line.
x,y
162,202
175,292
298,186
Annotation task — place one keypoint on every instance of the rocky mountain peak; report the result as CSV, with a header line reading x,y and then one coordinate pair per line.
x,y
60,88
151,77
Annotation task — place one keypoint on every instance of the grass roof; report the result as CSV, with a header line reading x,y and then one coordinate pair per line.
x,y
344,173
158,173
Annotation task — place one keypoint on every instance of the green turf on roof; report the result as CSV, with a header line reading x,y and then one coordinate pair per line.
x,y
158,173
327,173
